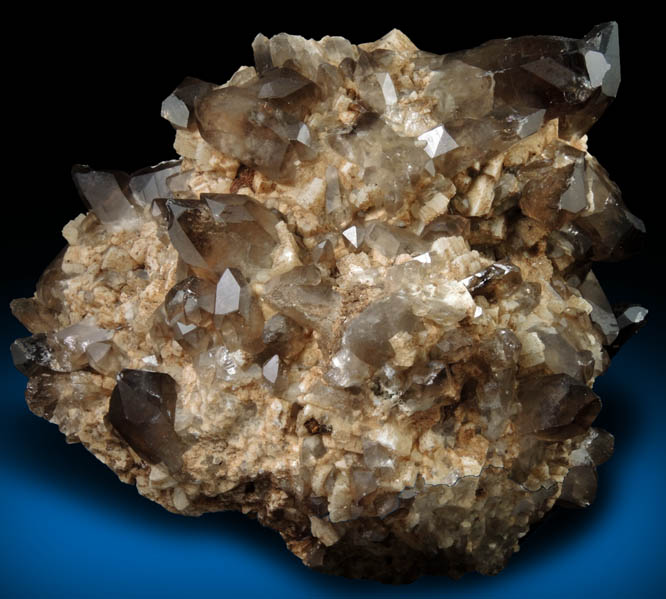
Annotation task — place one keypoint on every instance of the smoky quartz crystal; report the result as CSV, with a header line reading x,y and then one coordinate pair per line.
x,y
360,305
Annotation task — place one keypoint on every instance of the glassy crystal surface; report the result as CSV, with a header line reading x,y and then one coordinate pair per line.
x,y
142,410
178,107
150,183
360,305
107,194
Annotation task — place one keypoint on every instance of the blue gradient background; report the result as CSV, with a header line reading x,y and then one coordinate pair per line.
x,y
68,528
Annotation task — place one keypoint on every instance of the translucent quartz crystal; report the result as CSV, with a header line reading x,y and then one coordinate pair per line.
x,y
142,409
105,193
360,305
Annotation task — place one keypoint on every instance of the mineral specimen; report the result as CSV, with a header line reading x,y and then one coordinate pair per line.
x,y
359,308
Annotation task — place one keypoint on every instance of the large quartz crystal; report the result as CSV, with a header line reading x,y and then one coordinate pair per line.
x,y
360,307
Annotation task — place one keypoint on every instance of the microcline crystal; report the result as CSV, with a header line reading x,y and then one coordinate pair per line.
x,y
360,306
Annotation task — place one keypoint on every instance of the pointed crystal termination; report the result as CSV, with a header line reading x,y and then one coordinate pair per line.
x,y
104,357
227,296
187,314
238,316
499,279
573,80
32,355
354,235
630,319
323,255
271,368
304,296
601,48
150,183
280,83
557,407
223,231
107,194
554,190
63,351
602,313
34,316
437,142
368,335
142,410
260,121
283,337
579,488
178,107
262,54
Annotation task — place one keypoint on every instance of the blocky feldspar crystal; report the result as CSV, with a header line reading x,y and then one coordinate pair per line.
x,y
359,306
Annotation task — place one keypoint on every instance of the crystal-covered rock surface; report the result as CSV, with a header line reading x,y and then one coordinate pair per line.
x,y
360,306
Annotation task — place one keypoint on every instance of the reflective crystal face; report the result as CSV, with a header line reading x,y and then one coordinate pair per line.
x,y
106,193
361,303
152,183
142,410
178,107
222,231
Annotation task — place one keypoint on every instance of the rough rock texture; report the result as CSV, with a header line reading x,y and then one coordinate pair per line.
x,y
360,307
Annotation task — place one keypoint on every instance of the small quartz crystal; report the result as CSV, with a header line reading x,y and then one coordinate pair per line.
x,y
360,305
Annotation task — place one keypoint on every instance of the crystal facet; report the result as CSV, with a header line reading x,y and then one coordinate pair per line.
x,y
107,194
142,409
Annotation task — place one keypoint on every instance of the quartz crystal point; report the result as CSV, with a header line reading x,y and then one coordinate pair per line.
x,y
142,410
359,306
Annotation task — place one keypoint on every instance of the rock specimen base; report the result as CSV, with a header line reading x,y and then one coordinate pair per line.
x,y
359,308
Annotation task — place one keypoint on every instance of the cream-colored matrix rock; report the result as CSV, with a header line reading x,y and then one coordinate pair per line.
x,y
360,306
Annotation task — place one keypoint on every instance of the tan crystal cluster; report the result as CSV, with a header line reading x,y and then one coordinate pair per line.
x,y
360,306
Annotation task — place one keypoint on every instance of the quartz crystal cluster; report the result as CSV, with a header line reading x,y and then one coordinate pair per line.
x,y
360,306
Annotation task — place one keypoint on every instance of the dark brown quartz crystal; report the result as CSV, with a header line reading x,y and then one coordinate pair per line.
x,y
360,306
557,407
178,107
222,231
142,410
